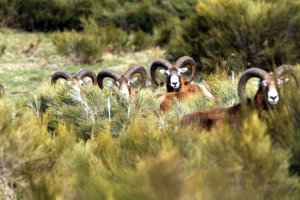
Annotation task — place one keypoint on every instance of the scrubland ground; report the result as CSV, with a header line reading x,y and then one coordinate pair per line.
x,y
23,69
58,143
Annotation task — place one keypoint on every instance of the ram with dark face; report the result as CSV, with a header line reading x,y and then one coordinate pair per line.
x,y
266,96
177,87
74,80
124,82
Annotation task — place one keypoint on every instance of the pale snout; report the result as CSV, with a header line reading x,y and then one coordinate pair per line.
x,y
174,81
273,96
124,91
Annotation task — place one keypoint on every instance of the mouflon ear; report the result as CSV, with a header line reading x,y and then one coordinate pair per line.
x,y
134,79
164,72
262,83
182,70
282,81
85,81
111,83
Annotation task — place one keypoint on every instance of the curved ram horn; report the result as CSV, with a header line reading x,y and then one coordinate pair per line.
x,y
60,74
159,63
87,73
186,60
106,73
287,69
246,75
137,70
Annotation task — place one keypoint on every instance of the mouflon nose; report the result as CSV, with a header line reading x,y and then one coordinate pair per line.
x,y
273,97
174,83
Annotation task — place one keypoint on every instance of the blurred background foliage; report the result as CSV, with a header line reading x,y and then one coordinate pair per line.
x,y
240,34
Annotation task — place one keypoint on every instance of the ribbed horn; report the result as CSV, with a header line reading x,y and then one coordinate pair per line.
x,y
287,69
186,60
246,75
106,73
159,63
137,70
60,74
87,73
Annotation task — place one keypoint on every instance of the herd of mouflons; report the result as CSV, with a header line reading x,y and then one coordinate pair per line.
x,y
177,88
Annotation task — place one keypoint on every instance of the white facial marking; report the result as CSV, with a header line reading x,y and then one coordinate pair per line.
x,y
273,96
174,81
182,70
117,83
134,79
85,81
164,72
110,83
81,82
124,90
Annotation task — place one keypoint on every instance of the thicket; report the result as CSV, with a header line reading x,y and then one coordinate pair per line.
x,y
232,33
131,16
240,34
85,29
44,15
59,143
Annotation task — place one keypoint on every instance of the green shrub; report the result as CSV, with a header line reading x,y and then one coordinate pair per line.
x,y
165,31
139,40
114,38
142,15
46,15
283,124
80,47
240,33
59,143
130,16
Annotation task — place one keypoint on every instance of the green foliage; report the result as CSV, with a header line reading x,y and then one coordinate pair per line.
x,y
286,133
139,15
59,143
88,46
240,33
130,16
165,31
80,47
44,15
140,40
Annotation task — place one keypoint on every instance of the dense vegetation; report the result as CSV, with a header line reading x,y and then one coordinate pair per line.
x,y
240,34
234,33
59,143
58,14
69,149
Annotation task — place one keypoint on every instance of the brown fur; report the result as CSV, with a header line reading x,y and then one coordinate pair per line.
x,y
185,90
208,119
233,115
